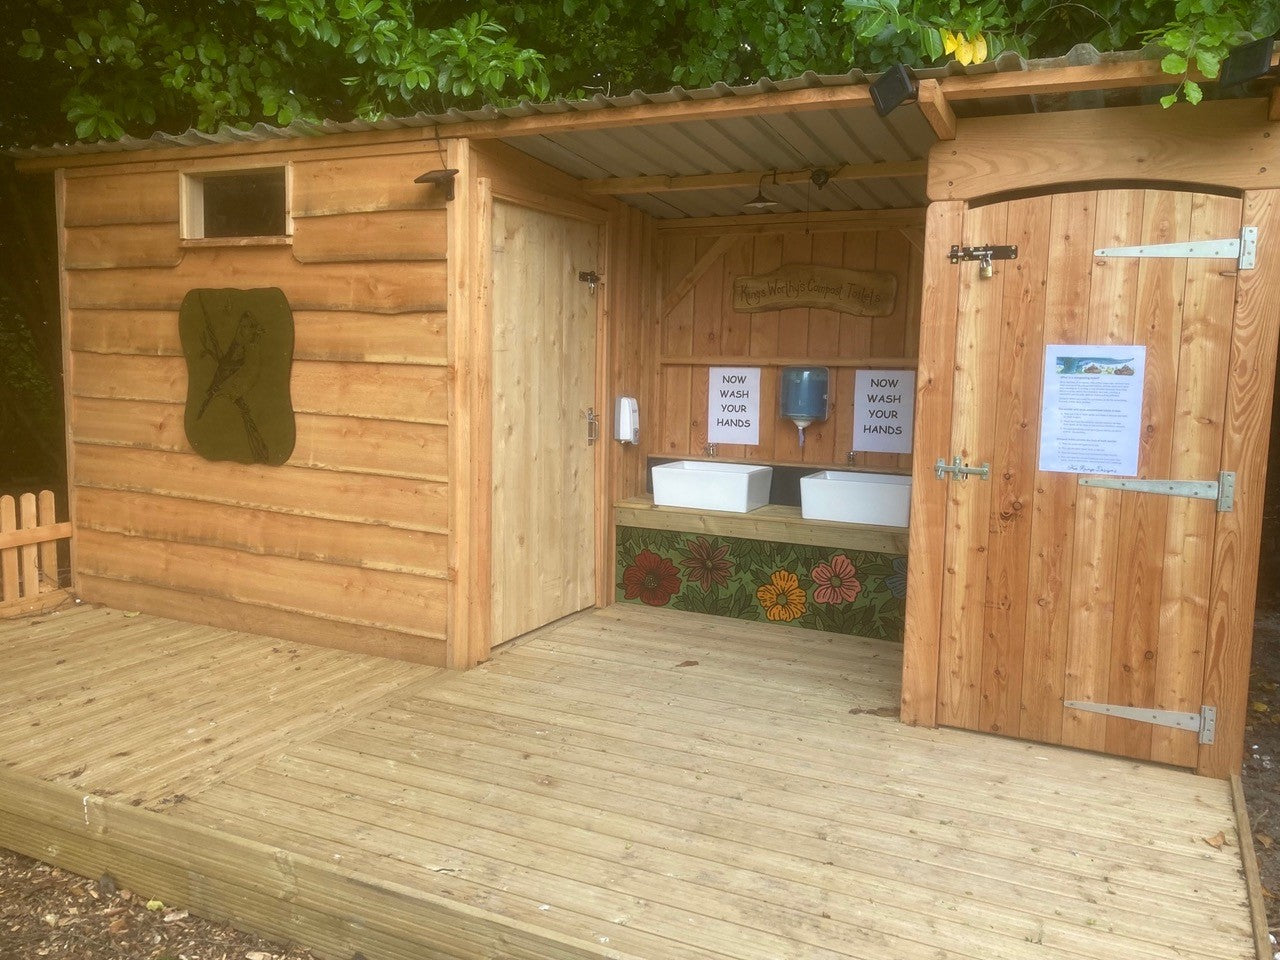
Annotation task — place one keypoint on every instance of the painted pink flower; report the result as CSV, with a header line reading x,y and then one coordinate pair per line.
x,y
836,582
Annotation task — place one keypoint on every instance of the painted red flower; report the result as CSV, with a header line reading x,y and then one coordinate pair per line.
x,y
706,564
837,581
653,579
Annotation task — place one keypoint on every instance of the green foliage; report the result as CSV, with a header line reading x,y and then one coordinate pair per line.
x,y
123,66
1197,33
119,66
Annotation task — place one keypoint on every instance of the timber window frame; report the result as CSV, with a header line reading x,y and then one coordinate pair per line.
x,y
212,204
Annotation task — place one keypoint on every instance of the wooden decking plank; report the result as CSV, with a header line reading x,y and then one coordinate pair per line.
x,y
436,868
208,708
837,926
647,679
727,889
759,750
660,846
181,860
780,808
737,805
775,677
784,719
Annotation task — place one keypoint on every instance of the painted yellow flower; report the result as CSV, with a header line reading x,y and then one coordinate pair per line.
x,y
782,598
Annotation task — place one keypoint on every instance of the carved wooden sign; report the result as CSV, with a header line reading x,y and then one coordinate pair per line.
x,y
866,293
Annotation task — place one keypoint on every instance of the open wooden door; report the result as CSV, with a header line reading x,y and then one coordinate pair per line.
x,y
544,386
1055,596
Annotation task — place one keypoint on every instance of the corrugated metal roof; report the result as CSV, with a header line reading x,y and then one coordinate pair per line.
x,y
300,129
799,140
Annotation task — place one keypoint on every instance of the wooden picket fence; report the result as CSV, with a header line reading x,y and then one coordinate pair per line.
x,y
29,535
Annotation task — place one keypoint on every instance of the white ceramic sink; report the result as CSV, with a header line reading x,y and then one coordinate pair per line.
x,y
734,487
879,498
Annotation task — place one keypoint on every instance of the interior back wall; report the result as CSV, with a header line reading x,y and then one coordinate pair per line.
x,y
698,328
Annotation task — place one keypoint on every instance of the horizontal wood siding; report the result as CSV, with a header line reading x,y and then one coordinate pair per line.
x,y
698,328
346,544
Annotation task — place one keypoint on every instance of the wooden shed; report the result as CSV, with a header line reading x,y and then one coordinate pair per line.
x,y
1080,285
470,293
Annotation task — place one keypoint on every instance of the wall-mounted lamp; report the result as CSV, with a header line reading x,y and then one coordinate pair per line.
x,y
437,177
1247,62
893,88
760,203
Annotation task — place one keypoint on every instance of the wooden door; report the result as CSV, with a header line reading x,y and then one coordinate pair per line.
x,y
544,383
1052,591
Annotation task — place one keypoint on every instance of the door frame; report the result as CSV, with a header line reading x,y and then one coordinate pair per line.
x,y
502,192
1236,548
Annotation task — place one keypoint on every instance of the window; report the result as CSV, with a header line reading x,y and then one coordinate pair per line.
x,y
236,204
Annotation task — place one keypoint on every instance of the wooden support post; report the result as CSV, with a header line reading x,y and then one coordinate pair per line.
x,y
1233,590
934,381
933,104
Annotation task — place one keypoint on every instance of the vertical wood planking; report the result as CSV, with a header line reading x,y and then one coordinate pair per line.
x,y
824,341
28,555
1199,407
1013,465
1054,500
766,257
1110,305
677,341
1157,324
468,489
793,322
68,361
735,334
972,435
1244,449
9,582
940,285
46,515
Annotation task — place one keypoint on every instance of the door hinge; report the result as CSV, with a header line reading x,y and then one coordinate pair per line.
x,y
1203,723
1242,249
1222,490
959,469
593,427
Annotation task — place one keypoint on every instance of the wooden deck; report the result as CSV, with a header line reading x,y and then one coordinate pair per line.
x,y
630,784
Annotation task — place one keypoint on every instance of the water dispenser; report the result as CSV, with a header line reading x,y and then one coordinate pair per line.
x,y
803,396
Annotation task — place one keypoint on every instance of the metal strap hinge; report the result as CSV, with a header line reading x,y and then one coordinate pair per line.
x,y
1203,723
1223,490
1242,249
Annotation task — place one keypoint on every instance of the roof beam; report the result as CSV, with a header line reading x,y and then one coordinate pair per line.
x,y
626,186
936,110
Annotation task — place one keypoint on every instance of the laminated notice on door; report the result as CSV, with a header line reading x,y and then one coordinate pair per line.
x,y
1091,408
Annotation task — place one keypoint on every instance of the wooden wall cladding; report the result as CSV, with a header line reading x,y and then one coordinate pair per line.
x,y
345,545
702,329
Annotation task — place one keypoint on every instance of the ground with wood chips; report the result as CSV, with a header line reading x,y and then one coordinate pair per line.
x,y
1261,774
47,912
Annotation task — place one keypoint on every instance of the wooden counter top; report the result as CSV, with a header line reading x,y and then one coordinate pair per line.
x,y
774,523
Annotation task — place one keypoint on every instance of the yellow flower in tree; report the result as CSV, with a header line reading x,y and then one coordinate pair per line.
x,y
967,51
782,598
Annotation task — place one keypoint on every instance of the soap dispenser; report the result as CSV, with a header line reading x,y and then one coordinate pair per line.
x,y
803,396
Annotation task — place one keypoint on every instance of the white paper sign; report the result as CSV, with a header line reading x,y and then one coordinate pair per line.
x,y
733,405
1091,410
884,403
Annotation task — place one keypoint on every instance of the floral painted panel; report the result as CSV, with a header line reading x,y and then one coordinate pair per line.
x,y
823,588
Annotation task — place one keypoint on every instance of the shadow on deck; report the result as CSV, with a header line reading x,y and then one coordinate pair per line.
x,y
631,783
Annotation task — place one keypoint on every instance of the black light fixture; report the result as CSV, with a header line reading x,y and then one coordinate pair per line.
x,y
760,203
819,178
1247,62
893,88
437,177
